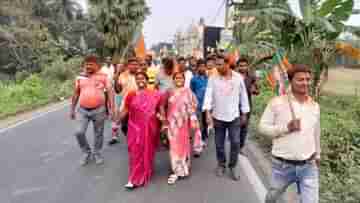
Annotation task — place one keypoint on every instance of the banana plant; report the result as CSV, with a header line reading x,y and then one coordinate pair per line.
x,y
256,26
309,39
253,41
118,20
321,24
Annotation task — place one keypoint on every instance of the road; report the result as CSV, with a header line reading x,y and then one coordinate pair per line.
x,y
40,164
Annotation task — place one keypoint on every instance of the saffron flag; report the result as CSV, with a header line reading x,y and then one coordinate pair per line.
x,y
277,77
140,47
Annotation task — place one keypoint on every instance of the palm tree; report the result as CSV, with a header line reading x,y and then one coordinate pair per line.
x,y
119,21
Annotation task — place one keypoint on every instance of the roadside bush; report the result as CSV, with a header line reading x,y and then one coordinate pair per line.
x,y
61,71
33,88
55,83
63,89
22,75
340,141
20,96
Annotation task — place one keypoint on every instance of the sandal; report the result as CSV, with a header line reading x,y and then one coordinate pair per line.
x,y
129,186
172,179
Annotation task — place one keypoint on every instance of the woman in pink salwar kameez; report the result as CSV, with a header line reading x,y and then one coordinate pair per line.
x,y
142,107
182,122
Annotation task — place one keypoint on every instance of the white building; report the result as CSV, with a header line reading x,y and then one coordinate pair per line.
x,y
190,42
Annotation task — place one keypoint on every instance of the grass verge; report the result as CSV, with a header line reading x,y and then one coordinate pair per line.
x,y
53,84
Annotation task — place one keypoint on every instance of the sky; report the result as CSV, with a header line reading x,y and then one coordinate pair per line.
x,y
168,16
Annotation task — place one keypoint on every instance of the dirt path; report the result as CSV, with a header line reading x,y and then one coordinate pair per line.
x,y
343,81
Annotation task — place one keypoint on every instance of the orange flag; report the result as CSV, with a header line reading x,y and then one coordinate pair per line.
x,y
140,47
348,49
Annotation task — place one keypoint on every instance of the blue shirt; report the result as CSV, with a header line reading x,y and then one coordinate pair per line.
x,y
164,81
198,86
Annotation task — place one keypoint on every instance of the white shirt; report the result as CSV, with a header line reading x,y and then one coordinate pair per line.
x,y
109,71
299,145
188,77
224,96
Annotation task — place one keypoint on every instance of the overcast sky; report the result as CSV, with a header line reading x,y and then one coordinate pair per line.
x,y
168,16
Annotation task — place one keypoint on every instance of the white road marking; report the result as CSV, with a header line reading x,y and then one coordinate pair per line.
x,y
45,154
36,116
253,178
24,191
57,155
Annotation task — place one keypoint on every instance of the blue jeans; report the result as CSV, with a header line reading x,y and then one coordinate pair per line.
x,y
233,129
306,177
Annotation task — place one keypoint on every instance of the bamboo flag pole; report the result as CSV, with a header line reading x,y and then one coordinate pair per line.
x,y
293,115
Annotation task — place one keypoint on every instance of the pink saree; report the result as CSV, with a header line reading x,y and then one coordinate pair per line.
x,y
143,134
182,119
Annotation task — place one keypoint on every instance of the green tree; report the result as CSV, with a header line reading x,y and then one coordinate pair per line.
x,y
60,10
40,32
119,21
256,25
313,38
310,39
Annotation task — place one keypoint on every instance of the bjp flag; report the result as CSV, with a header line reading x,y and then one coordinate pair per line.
x,y
277,77
140,47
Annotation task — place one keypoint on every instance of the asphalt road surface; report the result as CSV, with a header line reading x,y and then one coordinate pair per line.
x,y
40,164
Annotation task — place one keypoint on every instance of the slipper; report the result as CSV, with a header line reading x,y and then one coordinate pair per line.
x,y
172,179
129,186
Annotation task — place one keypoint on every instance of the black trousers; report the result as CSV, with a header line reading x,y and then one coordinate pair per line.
x,y
233,128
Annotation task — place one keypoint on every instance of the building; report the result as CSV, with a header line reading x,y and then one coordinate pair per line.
x,y
163,49
191,41
198,40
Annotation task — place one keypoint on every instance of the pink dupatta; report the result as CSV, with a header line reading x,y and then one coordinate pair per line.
x,y
182,119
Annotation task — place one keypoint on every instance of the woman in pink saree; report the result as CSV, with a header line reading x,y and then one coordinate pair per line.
x,y
182,122
142,107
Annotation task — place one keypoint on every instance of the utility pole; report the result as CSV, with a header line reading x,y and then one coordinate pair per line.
x,y
227,9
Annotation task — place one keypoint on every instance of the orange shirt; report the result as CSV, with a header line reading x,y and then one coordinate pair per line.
x,y
92,90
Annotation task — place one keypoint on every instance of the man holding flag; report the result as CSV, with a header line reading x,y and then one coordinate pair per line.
x,y
292,121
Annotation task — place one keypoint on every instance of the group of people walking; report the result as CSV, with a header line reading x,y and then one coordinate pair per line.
x,y
188,103
185,102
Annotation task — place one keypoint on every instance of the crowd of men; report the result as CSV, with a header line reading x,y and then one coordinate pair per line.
x,y
223,92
